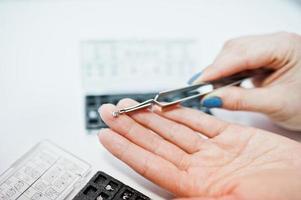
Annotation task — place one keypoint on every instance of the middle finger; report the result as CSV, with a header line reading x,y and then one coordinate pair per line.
x,y
180,135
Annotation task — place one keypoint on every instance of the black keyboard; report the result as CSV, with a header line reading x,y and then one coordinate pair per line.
x,y
93,120
104,187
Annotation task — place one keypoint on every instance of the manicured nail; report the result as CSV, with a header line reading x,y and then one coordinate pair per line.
x,y
212,102
194,77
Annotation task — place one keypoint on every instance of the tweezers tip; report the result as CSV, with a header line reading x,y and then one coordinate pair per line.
x,y
115,113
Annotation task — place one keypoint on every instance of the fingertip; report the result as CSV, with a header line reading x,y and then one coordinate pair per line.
x,y
126,102
212,102
106,110
210,73
113,142
103,135
103,108
194,78
108,140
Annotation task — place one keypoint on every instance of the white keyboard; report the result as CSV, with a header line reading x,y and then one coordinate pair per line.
x,y
45,173
136,65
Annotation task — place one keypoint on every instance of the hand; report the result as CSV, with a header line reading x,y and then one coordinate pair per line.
x,y
193,154
278,95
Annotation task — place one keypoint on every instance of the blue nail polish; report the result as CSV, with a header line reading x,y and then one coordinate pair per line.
x,y
212,102
194,77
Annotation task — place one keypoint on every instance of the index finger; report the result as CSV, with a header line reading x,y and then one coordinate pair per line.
x,y
242,54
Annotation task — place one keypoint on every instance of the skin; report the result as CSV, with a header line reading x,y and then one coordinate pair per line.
x,y
197,156
279,93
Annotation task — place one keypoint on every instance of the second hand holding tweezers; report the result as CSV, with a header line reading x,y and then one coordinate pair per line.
x,y
207,87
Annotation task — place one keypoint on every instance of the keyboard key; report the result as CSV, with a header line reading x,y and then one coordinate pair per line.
x,y
104,187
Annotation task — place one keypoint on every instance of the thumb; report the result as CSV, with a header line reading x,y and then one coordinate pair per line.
x,y
237,98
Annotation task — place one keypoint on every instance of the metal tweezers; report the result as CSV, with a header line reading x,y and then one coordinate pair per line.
x,y
203,89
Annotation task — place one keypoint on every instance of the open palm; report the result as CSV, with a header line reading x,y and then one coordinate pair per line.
x,y
193,154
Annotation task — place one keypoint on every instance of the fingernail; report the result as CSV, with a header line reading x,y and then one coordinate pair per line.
x,y
212,102
194,77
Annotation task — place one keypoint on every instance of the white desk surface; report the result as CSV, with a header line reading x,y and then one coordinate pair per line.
x,y
40,82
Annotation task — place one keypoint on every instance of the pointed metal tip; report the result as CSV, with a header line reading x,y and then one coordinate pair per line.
x,y
115,113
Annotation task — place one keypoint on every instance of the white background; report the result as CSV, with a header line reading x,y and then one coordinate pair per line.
x,y
40,81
